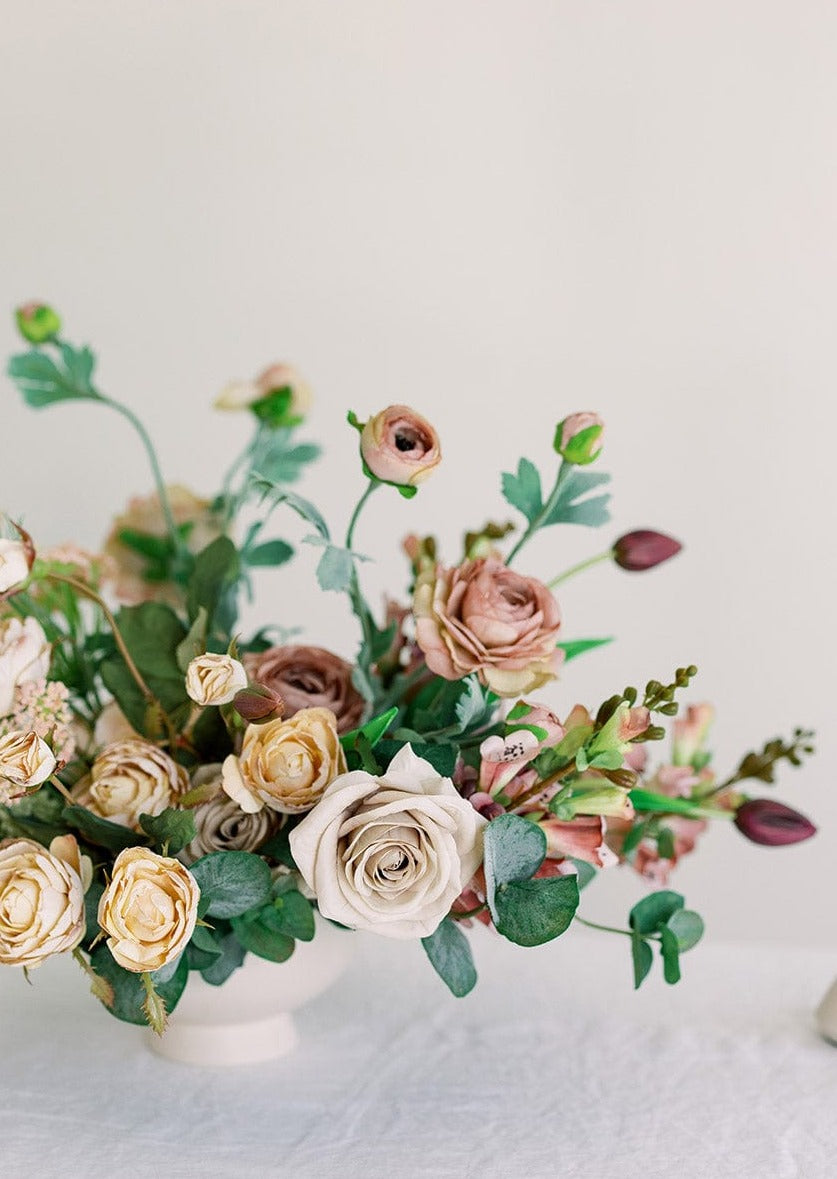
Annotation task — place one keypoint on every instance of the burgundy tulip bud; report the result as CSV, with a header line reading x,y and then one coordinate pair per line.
x,y
643,549
256,704
772,824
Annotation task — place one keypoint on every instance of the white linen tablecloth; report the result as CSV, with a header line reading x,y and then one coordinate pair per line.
x,y
553,1067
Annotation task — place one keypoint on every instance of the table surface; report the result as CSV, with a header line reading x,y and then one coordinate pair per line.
x,y
552,1067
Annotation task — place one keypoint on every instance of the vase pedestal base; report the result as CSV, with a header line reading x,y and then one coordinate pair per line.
x,y
221,1045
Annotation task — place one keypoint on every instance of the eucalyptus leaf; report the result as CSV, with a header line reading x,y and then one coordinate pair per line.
x,y
231,957
232,882
270,553
172,829
128,990
262,933
296,915
532,912
687,926
643,959
670,951
450,955
653,912
513,849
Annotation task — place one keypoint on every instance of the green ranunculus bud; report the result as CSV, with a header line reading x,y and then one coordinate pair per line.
x,y
37,322
578,438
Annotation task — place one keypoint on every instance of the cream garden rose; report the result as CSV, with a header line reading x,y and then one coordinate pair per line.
x,y
26,761
131,778
14,564
148,910
286,764
24,656
389,854
41,899
214,679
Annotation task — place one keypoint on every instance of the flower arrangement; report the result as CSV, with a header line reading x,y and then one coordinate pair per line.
x,y
176,795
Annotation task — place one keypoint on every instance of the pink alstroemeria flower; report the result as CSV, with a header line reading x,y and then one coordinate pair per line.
x,y
690,733
503,759
581,839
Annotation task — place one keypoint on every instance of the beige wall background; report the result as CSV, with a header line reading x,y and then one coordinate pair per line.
x,y
499,213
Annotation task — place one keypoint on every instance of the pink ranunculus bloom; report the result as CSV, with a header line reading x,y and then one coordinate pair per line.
x,y
400,446
582,839
691,731
484,617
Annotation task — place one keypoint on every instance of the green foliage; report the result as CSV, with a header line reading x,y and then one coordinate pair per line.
x,y
576,647
231,882
523,490
663,918
514,850
647,801
91,910
277,460
129,992
761,766
336,566
295,914
373,730
37,816
101,832
43,382
171,830
218,970
269,553
153,634
441,757
274,495
195,642
450,956
573,504
212,585
262,932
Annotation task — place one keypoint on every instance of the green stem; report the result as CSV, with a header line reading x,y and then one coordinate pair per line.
x,y
145,438
360,607
371,486
543,514
582,565
468,912
611,928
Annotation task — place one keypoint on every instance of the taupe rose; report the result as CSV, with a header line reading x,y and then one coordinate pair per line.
x,y
400,446
148,910
41,899
286,764
221,823
131,778
483,617
309,677
389,854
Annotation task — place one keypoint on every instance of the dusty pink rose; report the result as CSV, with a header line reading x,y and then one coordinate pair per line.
x,y
400,446
309,677
578,438
483,617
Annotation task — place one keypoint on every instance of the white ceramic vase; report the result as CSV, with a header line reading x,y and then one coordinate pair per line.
x,y
826,1014
248,1020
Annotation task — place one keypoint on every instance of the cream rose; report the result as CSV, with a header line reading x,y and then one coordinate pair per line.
x,y
483,617
132,778
26,760
24,656
400,446
41,899
221,823
148,910
112,725
389,854
286,764
14,564
214,679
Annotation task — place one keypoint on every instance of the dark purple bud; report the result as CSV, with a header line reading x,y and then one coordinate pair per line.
x,y
643,549
771,823
257,703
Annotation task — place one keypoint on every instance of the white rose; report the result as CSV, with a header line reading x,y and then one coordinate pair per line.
x,y
25,759
214,679
14,564
41,900
389,854
148,910
132,778
24,656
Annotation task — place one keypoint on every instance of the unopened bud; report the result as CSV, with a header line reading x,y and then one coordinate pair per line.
x,y
643,549
772,824
578,439
37,322
256,703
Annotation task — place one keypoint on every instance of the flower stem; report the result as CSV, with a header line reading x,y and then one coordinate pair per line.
x,y
611,929
360,606
582,565
468,912
543,514
371,486
62,790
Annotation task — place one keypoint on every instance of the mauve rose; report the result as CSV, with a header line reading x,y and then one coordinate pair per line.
x,y
483,617
400,446
309,677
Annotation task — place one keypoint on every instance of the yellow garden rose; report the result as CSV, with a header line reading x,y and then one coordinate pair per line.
x,y
132,778
148,910
41,899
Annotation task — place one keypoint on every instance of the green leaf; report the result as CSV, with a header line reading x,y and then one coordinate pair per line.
x,y
296,915
171,829
670,952
643,959
687,926
652,912
278,848
280,495
262,934
576,647
335,569
128,989
274,408
450,955
232,882
195,642
665,843
152,632
441,757
649,801
102,832
564,752
205,941
523,490
213,578
531,912
571,506
43,383
585,873
91,910
272,552
373,730
513,850
475,705
231,957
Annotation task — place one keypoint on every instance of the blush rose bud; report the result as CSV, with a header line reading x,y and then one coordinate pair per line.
x,y
37,322
399,446
772,824
644,549
578,438
257,703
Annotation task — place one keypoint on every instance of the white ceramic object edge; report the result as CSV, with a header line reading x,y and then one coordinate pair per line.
x,y
826,1014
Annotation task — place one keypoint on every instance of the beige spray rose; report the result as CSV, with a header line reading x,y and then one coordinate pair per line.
x,y
26,761
310,677
131,778
148,910
389,854
41,899
14,564
400,446
214,679
286,764
24,656
483,617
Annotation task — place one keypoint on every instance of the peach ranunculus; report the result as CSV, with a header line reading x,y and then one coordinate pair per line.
x,y
149,909
245,394
41,899
309,677
132,778
126,568
400,446
483,617
286,765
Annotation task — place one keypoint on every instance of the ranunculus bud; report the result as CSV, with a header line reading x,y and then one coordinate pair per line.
x,y
37,322
643,549
578,439
25,760
257,703
212,680
772,824
400,446
278,396
14,564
